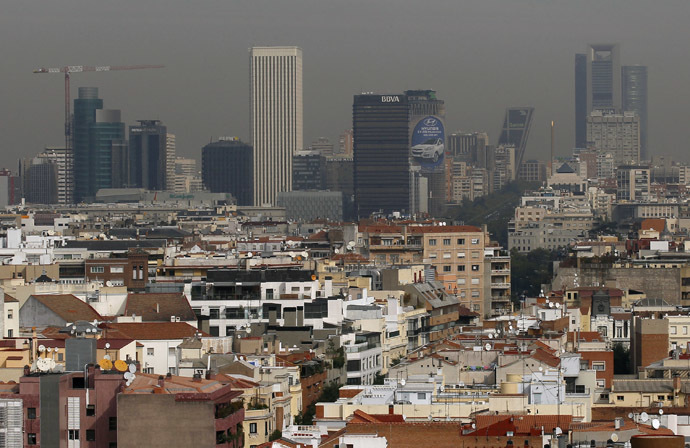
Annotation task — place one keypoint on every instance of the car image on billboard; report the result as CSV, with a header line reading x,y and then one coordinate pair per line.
x,y
428,143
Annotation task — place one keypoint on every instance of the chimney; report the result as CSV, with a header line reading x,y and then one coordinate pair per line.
x,y
617,423
27,370
676,385
196,378
158,308
161,381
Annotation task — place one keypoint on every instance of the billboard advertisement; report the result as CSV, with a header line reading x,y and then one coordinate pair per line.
x,y
428,144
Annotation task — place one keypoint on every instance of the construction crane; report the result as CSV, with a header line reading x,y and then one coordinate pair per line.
x,y
67,70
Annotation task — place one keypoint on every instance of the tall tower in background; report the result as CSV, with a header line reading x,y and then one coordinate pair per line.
x,y
381,154
106,143
275,77
85,106
581,101
634,79
148,155
603,77
170,150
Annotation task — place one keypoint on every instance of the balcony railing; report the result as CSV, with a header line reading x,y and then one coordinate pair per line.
x,y
500,285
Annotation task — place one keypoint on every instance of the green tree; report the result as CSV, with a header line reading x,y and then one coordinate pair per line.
x,y
275,435
378,379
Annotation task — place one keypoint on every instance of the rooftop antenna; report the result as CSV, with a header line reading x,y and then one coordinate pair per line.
x,y
553,144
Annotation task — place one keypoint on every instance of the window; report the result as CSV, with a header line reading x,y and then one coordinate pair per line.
x,y
446,241
446,268
604,397
475,240
685,330
421,396
475,254
475,293
620,397
432,255
10,333
598,365
475,267
90,435
461,268
461,254
446,255
172,351
90,410
31,438
461,240
475,281
9,315
149,351
432,242
112,423
214,331
214,313
117,269
660,398
61,356
97,269
31,413
252,428
172,370
73,434
674,330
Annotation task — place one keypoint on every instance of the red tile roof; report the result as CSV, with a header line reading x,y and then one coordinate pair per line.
x,y
143,331
67,307
155,307
525,423
546,357
362,417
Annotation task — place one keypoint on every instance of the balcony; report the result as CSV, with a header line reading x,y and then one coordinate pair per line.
x,y
500,285
500,271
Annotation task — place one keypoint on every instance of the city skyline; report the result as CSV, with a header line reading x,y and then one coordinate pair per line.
x,y
197,80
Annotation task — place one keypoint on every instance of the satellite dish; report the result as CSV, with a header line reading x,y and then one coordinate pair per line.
x,y
614,437
661,412
402,382
487,346
644,417
42,364
558,305
248,330
337,251
558,430
655,424
50,349
95,323
404,417
107,357
551,305
109,283
442,388
41,348
132,368
120,365
250,255
128,376
105,364
491,335
541,369
107,345
474,426
562,350
305,254
631,415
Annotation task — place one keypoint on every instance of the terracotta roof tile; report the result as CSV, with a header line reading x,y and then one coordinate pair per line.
x,y
155,307
143,331
68,307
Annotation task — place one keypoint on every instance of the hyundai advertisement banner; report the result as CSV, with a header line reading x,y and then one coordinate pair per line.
x,y
428,144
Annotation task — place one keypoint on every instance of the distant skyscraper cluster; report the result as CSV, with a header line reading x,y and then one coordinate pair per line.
x,y
605,88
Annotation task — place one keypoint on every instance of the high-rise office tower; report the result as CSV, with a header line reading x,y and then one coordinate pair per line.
x,y
65,164
427,117
170,149
308,170
616,134
603,77
10,188
515,131
106,139
381,153
634,80
39,180
345,144
581,101
226,167
85,106
148,155
275,76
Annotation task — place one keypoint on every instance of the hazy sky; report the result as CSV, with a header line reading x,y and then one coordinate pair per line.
x,y
480,55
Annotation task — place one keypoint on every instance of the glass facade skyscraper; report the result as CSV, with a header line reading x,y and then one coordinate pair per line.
x,y
634,79
85,106
381,153
106,135
603,77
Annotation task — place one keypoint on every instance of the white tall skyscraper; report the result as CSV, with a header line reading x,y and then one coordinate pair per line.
x,y
275,76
